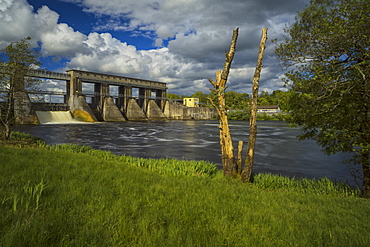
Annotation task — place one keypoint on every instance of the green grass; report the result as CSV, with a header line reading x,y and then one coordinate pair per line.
x,y
68,195
322,186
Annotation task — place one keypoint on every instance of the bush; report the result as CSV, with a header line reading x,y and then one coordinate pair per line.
x,y
238,115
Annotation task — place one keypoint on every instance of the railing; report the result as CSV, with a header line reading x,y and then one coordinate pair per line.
x,y
48,74
50,107
47,92
93,77
117,80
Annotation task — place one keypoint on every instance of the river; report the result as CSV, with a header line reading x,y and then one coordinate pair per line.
x,y
277,149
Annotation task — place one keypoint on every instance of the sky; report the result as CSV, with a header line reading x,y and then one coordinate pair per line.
x,y
179,42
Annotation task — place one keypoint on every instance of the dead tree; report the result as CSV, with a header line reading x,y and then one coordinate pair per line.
x,y
233,165
247,171
227,150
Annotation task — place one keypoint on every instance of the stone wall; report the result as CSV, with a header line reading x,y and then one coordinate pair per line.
x,y
177,111
200,112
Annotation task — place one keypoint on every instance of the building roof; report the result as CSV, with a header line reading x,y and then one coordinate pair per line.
x,y
270,107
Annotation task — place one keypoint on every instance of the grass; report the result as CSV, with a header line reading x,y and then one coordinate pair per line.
x,y
18,139
68,195
322,186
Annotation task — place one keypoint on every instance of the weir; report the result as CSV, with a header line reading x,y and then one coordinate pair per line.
x,y
48,117
150,103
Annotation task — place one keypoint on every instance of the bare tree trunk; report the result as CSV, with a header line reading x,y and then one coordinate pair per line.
x,y
247,171
240,157
227,150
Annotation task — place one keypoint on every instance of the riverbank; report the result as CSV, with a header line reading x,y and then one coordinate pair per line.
x,y
71,195
277,149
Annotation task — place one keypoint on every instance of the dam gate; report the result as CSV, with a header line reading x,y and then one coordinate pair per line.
x,y
149,103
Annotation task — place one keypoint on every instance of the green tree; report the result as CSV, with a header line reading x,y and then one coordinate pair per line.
x,y
264,98
202,97
327,57
280,98
17,58
236,100
264,101
172,96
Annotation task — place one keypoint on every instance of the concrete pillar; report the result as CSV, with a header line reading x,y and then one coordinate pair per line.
x,y
77,103
121,98
101,91
144,96
124,94
96,99
111,111
153,111
68,92
75,87
22,108
104,93
134,112
160,98
127,96
81,110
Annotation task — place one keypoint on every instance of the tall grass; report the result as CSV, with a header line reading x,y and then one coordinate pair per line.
x,y
22,140
162,166
323,186
27,198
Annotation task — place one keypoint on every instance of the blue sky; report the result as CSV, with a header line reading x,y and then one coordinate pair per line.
x,y
179,42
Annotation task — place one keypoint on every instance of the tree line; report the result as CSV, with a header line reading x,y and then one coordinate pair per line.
x,y
238,101
239,104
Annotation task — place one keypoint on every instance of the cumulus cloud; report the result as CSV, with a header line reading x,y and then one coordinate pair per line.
x,y
63,41
18,21
189,37
109,55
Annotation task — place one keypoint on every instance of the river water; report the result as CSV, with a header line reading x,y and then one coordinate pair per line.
x,y
277,149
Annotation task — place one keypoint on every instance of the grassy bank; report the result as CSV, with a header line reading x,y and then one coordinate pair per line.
x,y
75,196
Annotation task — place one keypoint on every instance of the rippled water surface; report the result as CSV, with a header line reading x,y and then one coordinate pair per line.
x,y
277,149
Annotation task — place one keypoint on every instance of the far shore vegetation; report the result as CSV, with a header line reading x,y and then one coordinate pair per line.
x,y
239,104
70,195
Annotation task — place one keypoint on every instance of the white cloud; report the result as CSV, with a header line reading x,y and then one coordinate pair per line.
x,y
164,32
4,5
192,36
18,21
63,41
109,55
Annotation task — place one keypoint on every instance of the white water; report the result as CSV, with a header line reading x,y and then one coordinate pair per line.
x,y
55,117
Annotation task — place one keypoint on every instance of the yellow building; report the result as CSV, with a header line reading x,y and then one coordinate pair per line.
x,y
191,102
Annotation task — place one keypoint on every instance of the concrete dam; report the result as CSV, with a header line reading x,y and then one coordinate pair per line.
x,y
150,103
